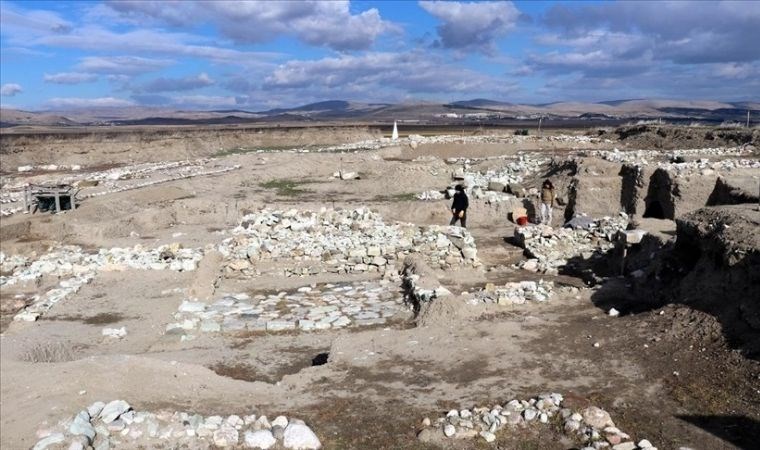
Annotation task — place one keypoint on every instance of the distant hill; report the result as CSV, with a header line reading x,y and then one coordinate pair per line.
x,y
481,103
14,117
328,108
337,110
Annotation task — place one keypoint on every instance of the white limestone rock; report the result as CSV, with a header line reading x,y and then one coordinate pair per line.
x,y
261,439
300,437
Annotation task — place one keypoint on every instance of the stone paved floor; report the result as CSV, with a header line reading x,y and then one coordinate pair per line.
x,y
315,307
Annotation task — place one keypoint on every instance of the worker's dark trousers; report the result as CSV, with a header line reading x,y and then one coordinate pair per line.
x,y
463,220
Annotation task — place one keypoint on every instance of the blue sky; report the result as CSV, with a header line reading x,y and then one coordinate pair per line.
x,y
259,55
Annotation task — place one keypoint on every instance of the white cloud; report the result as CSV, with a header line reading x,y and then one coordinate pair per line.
x,y
22,25
685,32
737,71
382,76
10,89
205,101
101,102
322,23
472,26
178,84
69,78
24,52
156,42
125,65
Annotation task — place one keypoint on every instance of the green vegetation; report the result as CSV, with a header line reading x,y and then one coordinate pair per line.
x,y
286,187
403,197
245,150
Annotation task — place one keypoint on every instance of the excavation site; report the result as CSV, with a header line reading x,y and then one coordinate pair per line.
x,y
300,286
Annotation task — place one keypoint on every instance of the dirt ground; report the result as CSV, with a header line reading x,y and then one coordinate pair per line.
x,y
666,374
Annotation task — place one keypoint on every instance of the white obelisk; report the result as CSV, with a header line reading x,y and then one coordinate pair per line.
x,y
394,136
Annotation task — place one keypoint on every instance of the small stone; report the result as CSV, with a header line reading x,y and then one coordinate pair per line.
x,y
426,422
116,333
529,414
513,419
262,439
234,421
247,420
281,421
226,436
55,438
82,428
278,432
572,425
449,430
262,423
624,446
613,439
488,436
645,444
113,410
300,437
597,417
613,312
95,409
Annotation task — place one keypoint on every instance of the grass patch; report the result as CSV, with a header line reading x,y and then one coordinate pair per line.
x,y
403,197
245,150
286,188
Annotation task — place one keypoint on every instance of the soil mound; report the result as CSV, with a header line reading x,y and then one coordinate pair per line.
x,y
714,267
672,136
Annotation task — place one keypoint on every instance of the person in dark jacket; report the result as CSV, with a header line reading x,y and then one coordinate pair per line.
x,y
459,207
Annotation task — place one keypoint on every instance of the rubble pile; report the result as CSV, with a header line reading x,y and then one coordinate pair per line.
x,y
415,140
77,268
592,426
512,172
116,425
490,184
340,241
516,293
706,167
309,308
548,248
643,157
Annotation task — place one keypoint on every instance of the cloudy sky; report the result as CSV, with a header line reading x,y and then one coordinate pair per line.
x,y
258,55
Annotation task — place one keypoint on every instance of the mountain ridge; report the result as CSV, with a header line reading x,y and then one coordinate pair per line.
x,y
482,108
